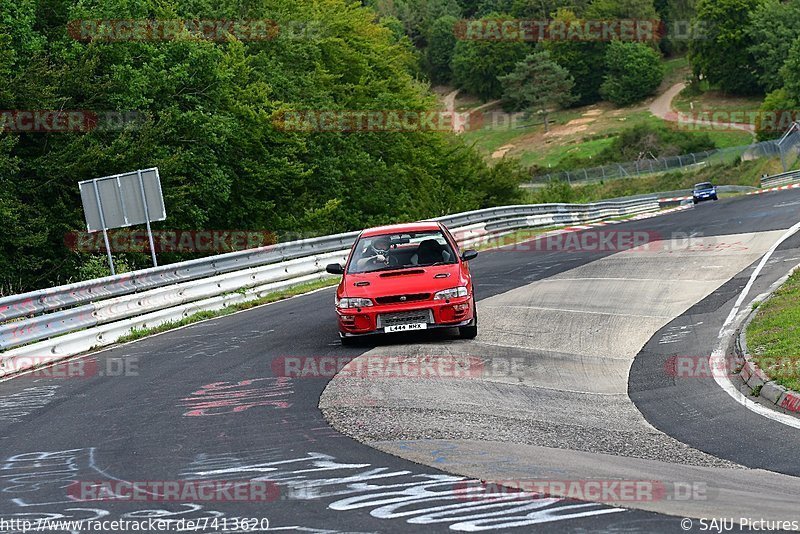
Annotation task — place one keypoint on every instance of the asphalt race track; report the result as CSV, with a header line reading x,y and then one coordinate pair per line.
x,y
590,333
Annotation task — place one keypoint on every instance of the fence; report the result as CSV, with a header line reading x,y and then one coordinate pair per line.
x,y
786,148
789,145
52,324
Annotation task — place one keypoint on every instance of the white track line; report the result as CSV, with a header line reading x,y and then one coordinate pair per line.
x,y
718,356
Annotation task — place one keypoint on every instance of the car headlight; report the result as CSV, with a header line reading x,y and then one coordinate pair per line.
x,y
353,303
451,293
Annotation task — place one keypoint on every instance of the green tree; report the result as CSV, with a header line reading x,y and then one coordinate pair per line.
x,y
477,63
621,9
783,104
538,84
441,46
675,16
418,16
633,71
771,32
583,60
719,52
208,115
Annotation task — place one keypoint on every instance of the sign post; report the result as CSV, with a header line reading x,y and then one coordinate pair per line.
x,y
105,231
147,217
123,200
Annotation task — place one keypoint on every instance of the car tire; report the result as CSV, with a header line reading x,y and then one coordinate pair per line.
x,y
470,331
715,197
694,201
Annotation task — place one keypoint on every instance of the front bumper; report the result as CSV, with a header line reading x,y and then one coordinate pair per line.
x,y
704,196
436,314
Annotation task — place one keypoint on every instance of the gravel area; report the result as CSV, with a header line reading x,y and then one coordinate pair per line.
x,y
384,424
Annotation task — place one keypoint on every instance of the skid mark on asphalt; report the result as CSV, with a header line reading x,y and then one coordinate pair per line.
x,y
16,406
676,334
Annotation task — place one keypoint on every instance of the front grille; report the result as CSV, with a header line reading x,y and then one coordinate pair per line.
x,y
408,317
394,299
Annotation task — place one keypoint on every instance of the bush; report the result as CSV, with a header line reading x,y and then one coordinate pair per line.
x,y
640,142
633,72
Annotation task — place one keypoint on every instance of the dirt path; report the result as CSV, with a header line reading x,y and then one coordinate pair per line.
x,y
661,107
461,120
450,100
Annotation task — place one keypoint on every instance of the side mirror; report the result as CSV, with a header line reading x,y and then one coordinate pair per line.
x,y
469,255
334,268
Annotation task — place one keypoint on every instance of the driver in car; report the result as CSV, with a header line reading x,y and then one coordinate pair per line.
x,y
377,254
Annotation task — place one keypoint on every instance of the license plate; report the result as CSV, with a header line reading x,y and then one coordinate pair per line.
x,y
405,327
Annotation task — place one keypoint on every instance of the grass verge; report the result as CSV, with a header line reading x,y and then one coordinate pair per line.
x,y
512,238
773,336
138,333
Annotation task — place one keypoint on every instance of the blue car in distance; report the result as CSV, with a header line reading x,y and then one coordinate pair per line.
x,y
704,191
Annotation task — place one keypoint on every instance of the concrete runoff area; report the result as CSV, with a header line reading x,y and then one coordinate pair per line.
x,y
568,410
731,493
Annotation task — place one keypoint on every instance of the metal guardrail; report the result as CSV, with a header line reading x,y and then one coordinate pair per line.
x,y
783,178
59,322
37,302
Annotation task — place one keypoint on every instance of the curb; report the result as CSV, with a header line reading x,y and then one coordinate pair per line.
x,y
779,188
673,199
756,380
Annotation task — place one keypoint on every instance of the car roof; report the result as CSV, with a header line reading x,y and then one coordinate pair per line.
x,y
702,183
401,228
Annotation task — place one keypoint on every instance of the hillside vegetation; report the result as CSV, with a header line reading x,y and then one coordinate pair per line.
x,y
206,113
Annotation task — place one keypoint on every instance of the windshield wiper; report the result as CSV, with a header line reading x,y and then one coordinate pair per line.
x,y
436,263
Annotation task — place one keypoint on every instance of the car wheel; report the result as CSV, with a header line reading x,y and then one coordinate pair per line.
x,y
348,341
469,331
694,201
715,197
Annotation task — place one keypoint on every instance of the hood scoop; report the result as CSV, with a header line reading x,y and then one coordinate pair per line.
x,y
405,272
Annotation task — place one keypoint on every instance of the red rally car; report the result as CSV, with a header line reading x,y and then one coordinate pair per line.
x,y
402,278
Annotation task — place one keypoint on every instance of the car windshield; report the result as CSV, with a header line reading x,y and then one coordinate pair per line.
x,y
401,251
704,185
